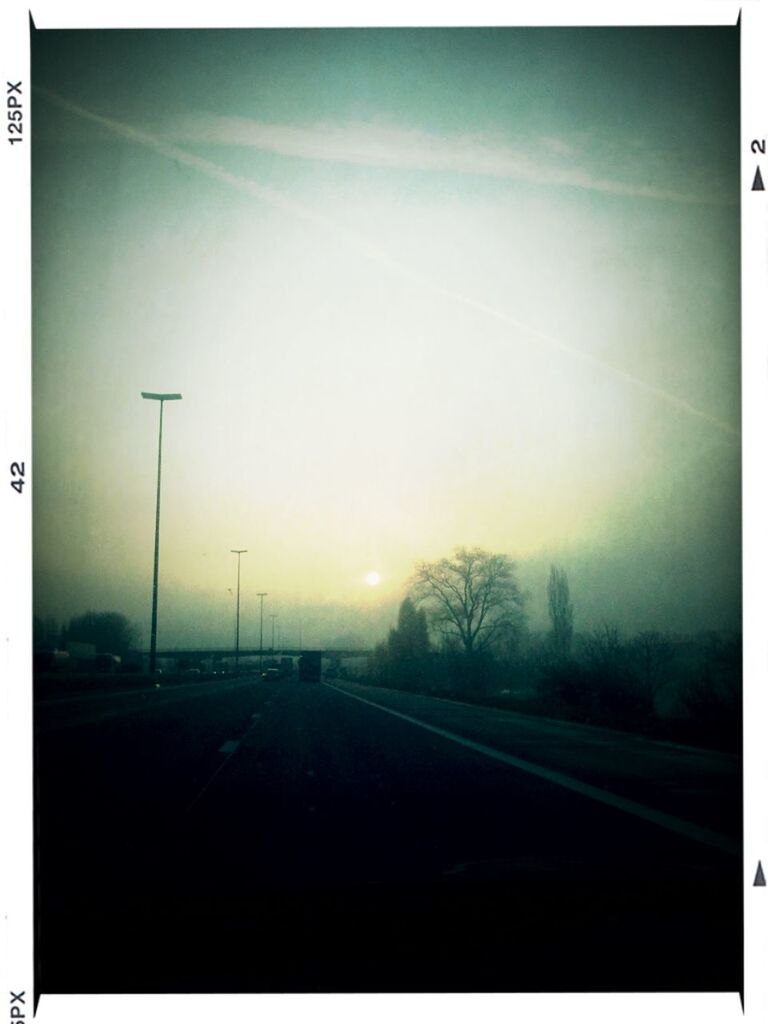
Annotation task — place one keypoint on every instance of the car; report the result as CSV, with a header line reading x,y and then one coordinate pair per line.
x,y
270,673
106,663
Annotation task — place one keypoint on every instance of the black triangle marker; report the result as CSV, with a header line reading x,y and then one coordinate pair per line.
x,y
759,877
757,184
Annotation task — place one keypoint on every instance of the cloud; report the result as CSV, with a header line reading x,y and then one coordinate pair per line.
x,y
386,146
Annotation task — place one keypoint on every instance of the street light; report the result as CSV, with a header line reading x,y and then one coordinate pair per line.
x,y
261,632
153,631
238,552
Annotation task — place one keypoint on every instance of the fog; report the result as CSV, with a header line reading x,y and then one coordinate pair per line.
x,y
419,289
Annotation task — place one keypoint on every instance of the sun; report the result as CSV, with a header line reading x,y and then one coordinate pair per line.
x,y
373,579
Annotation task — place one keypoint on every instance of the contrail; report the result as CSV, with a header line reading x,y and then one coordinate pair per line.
x,y
376,255
367,145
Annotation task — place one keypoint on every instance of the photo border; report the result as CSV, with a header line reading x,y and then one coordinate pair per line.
x,y
17,867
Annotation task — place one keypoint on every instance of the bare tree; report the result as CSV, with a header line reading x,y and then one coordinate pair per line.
x,y
604,646
560,611
472,598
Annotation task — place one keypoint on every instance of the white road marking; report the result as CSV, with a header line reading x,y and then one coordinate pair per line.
x,y
668,821
686,748
228,749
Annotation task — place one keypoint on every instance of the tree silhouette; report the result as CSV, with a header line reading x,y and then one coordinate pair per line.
x,y
410,640
111,632
560,612
472,598
46,634
403,658
653,653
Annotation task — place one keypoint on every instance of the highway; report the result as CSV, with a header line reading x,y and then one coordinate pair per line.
x,y
251,836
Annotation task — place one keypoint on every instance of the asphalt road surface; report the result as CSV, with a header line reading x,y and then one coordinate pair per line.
x,y
244,836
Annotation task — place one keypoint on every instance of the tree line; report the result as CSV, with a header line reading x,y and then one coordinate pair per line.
x,y
462,632
109,632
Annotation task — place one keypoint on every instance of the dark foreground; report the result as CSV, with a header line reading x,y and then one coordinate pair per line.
x,y
339,848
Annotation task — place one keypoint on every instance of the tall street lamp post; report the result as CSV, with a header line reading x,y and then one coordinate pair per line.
x,y
238,552
153,631
261,632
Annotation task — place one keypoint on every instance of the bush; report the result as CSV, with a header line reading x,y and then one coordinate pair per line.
x,y
564,682
712,710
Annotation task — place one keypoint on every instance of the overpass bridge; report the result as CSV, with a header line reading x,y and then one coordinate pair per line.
x,y
198,653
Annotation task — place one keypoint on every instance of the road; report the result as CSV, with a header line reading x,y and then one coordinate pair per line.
x,y
250,836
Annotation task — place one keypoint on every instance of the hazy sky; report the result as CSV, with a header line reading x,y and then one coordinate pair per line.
x,y
418,289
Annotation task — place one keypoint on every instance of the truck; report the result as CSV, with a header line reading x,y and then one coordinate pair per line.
x,y
310,666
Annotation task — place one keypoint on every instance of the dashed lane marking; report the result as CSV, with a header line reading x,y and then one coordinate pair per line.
x,y
228,749
667,821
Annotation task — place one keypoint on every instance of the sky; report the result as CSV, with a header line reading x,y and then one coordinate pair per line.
x,y
418,288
